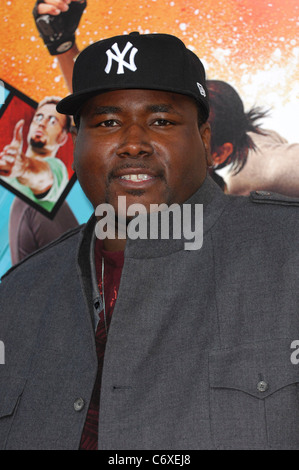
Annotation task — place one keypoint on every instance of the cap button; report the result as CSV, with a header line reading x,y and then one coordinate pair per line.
x,y
134,33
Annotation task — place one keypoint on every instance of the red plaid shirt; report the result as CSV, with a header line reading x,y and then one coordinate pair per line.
x,y
113,262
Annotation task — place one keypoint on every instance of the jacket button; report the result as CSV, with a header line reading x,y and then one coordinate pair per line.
x,y
79,404
262,386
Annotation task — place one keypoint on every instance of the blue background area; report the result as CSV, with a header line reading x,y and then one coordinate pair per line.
x,y
76,199
3,93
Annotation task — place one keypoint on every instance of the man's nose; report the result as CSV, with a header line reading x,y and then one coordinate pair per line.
x,y
134,142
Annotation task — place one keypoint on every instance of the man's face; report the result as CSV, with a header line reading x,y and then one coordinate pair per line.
x,y
47,129
142,144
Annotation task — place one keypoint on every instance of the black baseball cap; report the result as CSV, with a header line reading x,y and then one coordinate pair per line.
x,y
136,61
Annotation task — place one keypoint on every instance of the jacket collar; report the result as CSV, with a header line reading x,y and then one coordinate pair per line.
x,y
213,201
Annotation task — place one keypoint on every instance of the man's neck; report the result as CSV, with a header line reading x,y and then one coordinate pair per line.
x,y
114,244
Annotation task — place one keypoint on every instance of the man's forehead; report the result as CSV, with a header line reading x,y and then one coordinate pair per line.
x,y
49,108
153,101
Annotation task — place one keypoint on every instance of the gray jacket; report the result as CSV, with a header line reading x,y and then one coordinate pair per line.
x,y
199,348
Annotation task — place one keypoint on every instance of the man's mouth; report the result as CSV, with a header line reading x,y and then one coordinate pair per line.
x,y
38,133
140,176
137,177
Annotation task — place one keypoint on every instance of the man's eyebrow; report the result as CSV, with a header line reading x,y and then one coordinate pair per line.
x,y
161,108
106,110
151,108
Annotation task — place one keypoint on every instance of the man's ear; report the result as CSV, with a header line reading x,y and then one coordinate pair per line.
x,y
62,139
222,153
74,132
205,132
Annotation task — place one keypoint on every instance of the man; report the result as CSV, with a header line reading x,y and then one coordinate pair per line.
x,y
141,343
38,174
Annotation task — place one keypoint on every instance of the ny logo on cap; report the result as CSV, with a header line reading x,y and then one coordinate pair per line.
x,y
120,56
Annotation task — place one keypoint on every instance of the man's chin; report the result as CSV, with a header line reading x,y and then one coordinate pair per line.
x,y
37,144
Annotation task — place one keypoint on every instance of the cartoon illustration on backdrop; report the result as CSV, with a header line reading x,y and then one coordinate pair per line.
x,y
35,151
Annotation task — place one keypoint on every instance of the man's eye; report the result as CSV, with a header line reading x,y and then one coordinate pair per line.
x,y
108,123
38,117
52,120
162,122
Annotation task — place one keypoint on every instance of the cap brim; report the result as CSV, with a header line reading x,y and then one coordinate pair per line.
x,y
71,104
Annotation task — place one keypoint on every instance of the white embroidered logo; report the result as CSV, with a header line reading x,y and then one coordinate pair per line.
x,y
120,56
201,89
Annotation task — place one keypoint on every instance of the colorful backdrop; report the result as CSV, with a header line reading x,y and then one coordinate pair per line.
x,y
252,44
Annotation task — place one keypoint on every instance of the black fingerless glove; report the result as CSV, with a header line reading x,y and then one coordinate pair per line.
x,y
58,32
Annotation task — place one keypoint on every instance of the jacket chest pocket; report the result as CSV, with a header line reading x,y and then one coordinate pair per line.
x,y
254,397
10,392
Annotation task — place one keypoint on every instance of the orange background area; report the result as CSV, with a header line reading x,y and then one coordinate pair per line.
x,y
244,42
